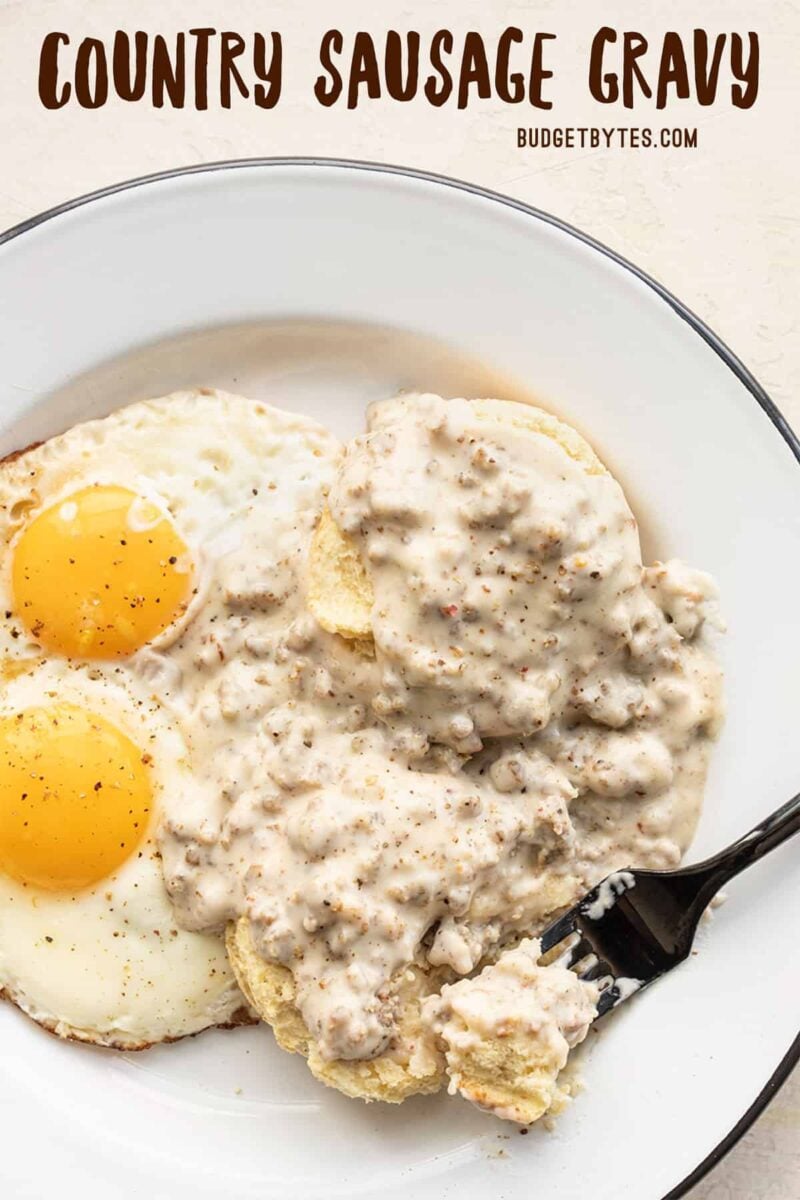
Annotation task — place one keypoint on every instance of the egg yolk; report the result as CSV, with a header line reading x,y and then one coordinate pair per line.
x,y
75,797
99,574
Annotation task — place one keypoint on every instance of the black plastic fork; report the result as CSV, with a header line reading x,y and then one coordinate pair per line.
x,y
637,925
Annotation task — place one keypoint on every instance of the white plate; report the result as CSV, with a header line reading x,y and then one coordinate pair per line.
x,y
227,276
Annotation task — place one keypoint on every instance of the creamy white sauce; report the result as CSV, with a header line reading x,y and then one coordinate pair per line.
x,y
531,721
545,1011
626,987
609,892
515,993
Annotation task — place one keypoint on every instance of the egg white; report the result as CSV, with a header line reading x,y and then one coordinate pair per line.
x,y
108,964
207,459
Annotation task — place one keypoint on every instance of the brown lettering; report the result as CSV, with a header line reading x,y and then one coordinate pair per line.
x,y
268,97
474,69
169,78
327,94
510,88
363,69
91,74
604,88
634,46
745,72
48,72
231,46
672,70
129,85
538,72
202,38
438,94
706,75
397,88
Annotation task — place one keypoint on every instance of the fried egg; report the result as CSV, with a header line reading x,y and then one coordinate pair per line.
x,y
112,529
88,944
127,548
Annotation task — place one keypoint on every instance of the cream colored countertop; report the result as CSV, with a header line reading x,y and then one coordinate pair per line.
x,y
717,225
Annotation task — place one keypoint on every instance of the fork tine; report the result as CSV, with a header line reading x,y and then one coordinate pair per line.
x,y
635,939
620,990
609,998
597,971
559,930
573,954
586,963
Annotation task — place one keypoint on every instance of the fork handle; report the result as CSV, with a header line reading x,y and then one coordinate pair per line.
x,y
715,872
